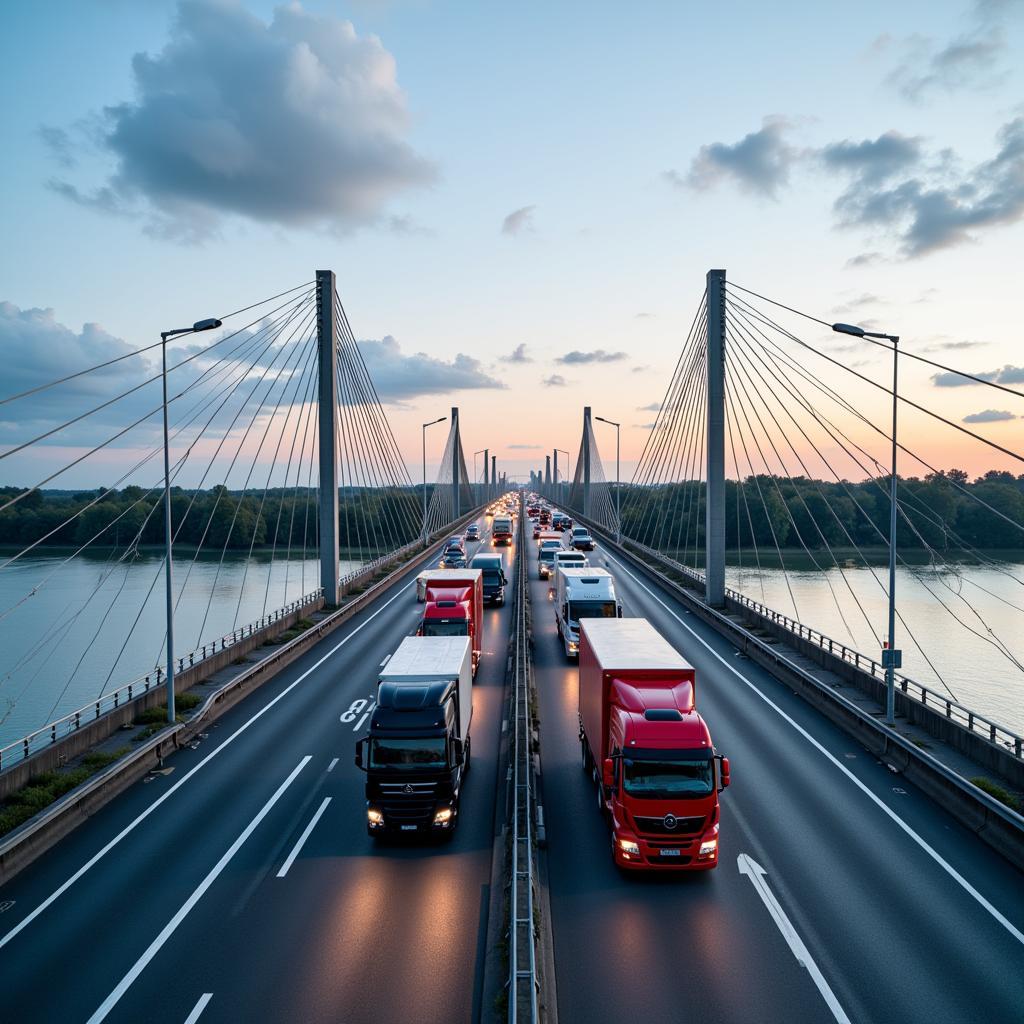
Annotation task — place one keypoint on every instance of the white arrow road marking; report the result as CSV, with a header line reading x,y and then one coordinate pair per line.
x,y
198,1008
749,867
183,911
302,839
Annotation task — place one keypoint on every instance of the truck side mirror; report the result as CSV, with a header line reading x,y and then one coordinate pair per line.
x,y
608,774
723,773
504,579
458,752
618,612
359,754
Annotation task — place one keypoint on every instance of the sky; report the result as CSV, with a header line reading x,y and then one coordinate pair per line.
x,y
520,201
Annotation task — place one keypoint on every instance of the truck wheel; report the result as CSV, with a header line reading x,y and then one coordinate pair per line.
x,y
467,762
600,796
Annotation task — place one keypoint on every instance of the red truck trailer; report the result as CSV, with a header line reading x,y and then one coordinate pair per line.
x,y
454,606
648,750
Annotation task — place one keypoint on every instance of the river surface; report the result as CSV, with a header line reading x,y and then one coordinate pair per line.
x,y
77,637
91,626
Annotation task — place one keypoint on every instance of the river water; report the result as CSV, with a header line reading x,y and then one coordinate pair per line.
x,y
90,626
66,644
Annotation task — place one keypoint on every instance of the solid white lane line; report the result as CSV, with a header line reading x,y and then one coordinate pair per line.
x,y
101,853
387,658
302,839
934,854
330,767
198,1008
168,930
748,866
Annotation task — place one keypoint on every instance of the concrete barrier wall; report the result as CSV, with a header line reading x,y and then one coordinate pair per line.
x,y
974,745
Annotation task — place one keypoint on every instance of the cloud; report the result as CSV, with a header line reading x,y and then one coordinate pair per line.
x,y
639,369
872,161
969,61
522,447
934,209
989,416
862,300
517,355
578,358
760,162
645,426
556,380
1007,375
653,407
298,122
644,316
399,377
953,346
518,221
865,259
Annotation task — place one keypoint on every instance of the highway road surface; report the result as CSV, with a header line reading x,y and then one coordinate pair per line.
x,y
842,893
242,886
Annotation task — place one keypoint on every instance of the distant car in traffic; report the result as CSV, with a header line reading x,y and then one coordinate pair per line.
x,y
581,539
472,532
453,558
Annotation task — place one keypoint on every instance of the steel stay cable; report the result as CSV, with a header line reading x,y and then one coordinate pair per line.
x,y
738,348
881,344
785,504
118,398
742,490
881,387
843,403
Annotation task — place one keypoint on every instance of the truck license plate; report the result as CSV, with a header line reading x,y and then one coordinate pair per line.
x,y
408,828
670,853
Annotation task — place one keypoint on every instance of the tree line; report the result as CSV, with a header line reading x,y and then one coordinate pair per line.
x,y
944,510
370,519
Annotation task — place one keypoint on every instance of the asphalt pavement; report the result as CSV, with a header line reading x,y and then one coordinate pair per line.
x,y
842,892
241,884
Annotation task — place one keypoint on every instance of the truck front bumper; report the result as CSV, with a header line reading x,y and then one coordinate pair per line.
x,y
436,820
636,853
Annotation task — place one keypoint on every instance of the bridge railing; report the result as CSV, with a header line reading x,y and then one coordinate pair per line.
x,y
22,748
971,720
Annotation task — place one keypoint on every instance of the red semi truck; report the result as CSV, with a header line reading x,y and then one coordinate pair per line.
x,y
648,750
454,606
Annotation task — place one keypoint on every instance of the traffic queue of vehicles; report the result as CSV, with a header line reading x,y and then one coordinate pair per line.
x,y
647,749
643,742
417,752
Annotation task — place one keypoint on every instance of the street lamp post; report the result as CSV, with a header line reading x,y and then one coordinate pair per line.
x,y
199,325
892,658
440,419
618,480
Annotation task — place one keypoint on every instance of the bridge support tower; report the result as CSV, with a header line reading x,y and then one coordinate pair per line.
x,y
714,527
327,406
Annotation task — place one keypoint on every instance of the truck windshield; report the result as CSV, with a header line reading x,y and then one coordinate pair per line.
x,y
435,627
656,779
591,610
418,752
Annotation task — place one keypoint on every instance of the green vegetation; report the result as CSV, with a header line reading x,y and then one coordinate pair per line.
x,y
765,511
995,790
43,789
218,518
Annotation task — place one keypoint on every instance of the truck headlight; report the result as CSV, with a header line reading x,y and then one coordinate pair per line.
x,y
708,848
629,847
574,645
375,818
443,816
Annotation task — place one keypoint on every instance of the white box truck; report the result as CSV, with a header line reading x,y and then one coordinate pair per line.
x,y
417,752
582,594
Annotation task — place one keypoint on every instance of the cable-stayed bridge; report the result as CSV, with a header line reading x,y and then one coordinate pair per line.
x,y
204,856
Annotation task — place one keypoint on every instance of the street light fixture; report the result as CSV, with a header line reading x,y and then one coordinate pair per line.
x,y
200,325
567,474
440,419
892,658
618,481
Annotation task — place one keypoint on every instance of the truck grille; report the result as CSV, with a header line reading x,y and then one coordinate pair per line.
x,y
402,807
657,826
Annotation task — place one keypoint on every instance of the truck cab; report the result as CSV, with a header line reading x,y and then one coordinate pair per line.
x,y
417,752
495,579
453,606
549,544
582,593
501,530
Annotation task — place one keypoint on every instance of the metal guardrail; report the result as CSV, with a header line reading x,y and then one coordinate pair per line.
x,y
522,944
74,720
971,720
